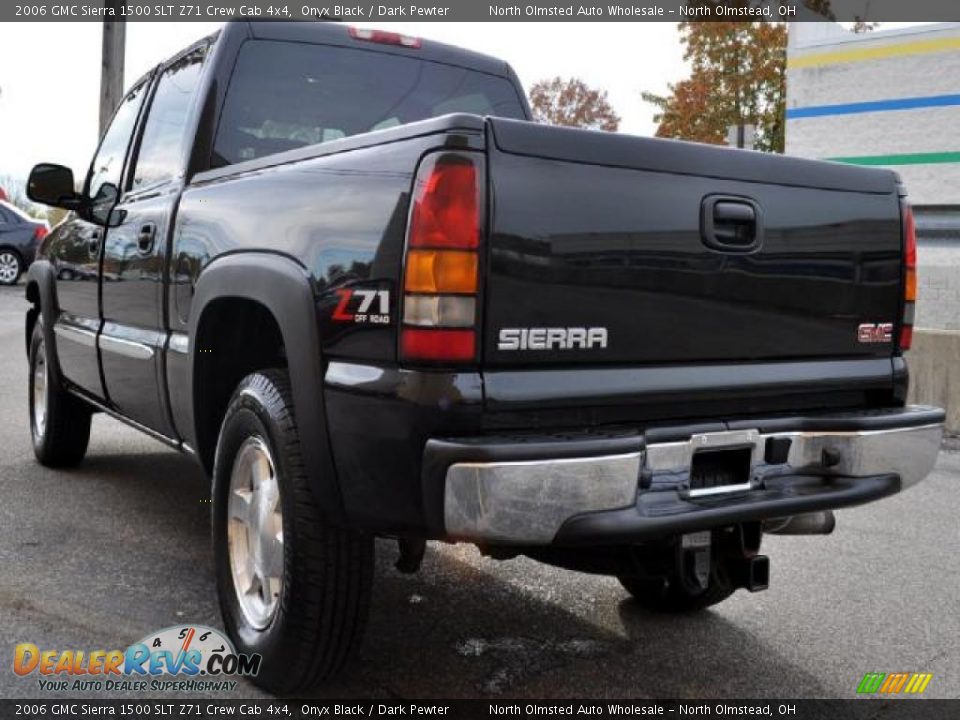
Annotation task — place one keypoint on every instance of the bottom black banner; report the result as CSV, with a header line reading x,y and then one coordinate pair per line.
x,y
828,709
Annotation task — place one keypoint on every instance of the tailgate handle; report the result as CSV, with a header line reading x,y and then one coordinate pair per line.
x,y
731,224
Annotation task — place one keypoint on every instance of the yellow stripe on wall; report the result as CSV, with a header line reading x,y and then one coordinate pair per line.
x,y
874,53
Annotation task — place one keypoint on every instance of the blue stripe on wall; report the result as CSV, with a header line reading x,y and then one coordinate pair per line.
x,y
874,106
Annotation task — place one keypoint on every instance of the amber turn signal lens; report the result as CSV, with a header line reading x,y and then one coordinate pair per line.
x,y
910,292
441,271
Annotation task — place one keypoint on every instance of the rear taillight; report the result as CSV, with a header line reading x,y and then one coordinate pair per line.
x,y
384,38
441,277
909,277
39,234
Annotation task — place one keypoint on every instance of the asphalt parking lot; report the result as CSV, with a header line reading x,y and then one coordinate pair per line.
x,y
97,557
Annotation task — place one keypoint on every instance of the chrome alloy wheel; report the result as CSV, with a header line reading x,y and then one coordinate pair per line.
x,y
9,268
255,532
39,398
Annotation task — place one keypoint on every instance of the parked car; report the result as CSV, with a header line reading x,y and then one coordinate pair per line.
x,y
372,298
20,235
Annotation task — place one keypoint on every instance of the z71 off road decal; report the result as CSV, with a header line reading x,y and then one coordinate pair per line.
x,y
363,306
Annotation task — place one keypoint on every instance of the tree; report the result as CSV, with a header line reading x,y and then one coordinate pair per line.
x,y
573,103
738,72
738,77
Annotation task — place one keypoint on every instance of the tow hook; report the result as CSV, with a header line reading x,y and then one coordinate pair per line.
x,y
695,558
740,548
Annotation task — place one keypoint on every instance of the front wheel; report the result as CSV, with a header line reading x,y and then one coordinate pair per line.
x,y
59,422
11,267
293,588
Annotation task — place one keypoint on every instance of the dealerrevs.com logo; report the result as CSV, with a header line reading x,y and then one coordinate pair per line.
x,y
187,658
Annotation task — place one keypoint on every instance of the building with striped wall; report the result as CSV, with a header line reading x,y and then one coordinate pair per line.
x,y
882,98
892,99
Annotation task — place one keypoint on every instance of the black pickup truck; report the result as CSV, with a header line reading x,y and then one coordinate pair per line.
x,y
344,271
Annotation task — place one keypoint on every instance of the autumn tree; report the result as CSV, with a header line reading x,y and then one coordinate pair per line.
x,y
573,103
737,77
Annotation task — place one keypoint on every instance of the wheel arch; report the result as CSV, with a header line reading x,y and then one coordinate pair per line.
x,y
275,294
41,293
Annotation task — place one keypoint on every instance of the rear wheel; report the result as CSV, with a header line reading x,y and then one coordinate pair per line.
x,y
59,422
292,587
11,267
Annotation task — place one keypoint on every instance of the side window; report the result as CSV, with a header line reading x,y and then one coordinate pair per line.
x,y
164,136
104,183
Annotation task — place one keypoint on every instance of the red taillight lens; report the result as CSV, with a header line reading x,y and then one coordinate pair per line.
x,y
909,277
909,238
445,207
438,345
441,278
385,38
40,233
906,337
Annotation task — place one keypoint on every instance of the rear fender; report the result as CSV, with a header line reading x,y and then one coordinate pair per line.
x,y
283,287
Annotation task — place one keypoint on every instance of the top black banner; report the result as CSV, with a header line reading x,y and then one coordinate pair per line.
x,y
385,11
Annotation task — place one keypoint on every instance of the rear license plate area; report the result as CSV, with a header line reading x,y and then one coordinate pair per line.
x,y
717,470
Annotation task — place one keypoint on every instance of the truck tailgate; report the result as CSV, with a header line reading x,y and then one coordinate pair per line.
x,y
613,249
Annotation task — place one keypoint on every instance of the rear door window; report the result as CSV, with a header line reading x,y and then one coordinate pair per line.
x,y
287,95
162,146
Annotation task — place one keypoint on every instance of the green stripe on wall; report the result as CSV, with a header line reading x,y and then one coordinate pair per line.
x,y
907,159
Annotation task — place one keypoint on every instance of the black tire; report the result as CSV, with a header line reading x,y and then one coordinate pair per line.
x,y
12,266
60,438
327,571
671,595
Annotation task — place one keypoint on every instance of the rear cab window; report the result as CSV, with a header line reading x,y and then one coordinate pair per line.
x,y
286,95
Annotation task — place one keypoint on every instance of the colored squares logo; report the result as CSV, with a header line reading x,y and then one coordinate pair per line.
x,y
894,683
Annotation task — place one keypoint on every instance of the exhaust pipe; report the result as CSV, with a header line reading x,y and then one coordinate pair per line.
x,y
818,523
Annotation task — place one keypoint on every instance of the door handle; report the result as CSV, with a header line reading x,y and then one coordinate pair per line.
x,y
731,224
146,237
93,242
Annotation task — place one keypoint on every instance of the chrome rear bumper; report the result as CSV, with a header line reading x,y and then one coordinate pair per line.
x,y
634,493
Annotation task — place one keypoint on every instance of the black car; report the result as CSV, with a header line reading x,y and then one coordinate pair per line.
x,y
20,235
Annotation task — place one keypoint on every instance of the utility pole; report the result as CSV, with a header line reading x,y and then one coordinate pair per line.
x,y
111,63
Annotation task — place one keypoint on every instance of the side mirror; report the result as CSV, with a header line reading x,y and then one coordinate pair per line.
x,y
51,184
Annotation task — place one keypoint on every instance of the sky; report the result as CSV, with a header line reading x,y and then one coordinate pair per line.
x,y
50,72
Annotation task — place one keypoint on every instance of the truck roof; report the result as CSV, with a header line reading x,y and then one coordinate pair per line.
x,y
336,33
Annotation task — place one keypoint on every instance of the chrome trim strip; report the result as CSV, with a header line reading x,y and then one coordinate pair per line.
x,y
81,336
720,490
179,343
126,348
527,502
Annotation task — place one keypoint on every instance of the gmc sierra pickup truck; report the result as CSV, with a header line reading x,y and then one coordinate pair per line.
x,y
345,271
